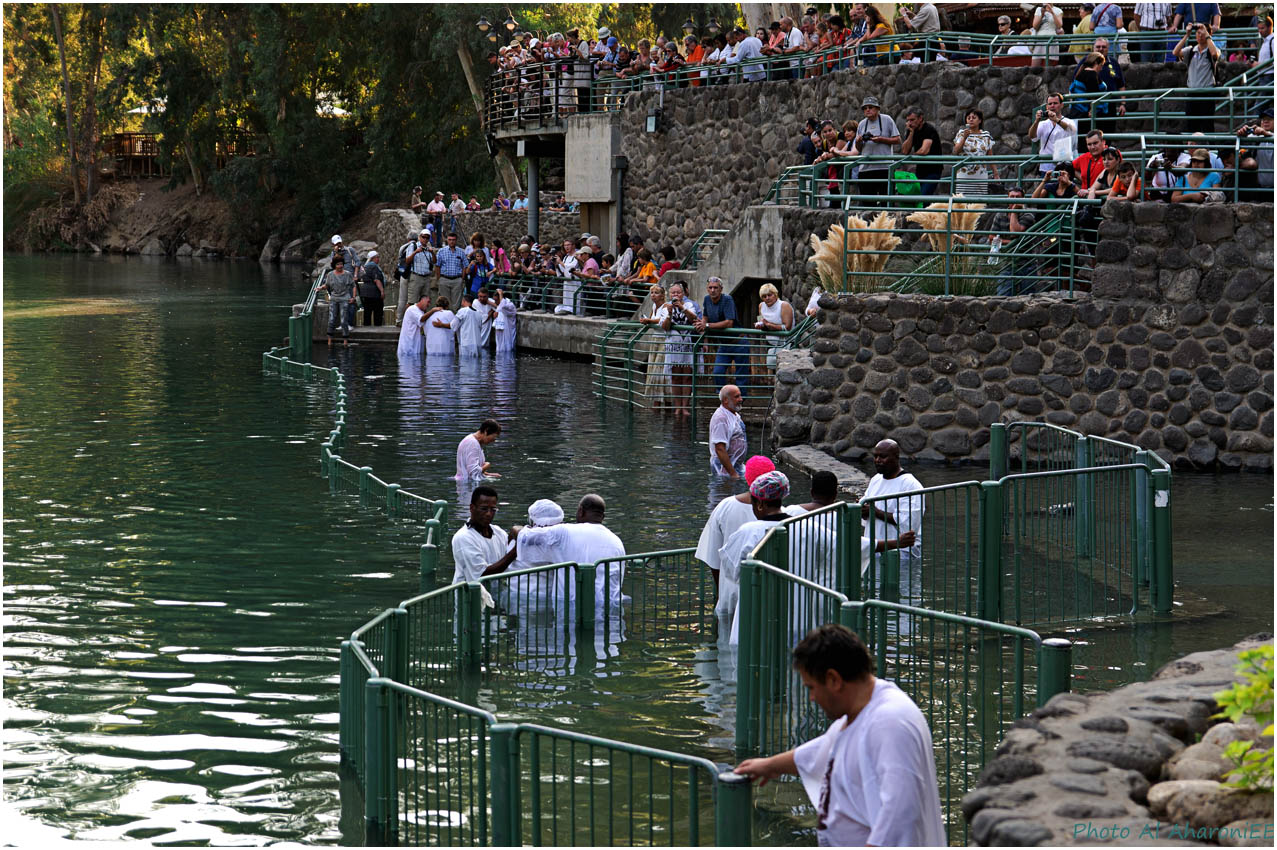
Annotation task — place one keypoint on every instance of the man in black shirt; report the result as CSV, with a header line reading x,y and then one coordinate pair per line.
x,y
922,139
806,146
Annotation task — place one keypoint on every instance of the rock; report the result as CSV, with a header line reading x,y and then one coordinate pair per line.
x,y
153,247
1204,804
270,251
1223,734
1018,832
1008,769
185,250
1080,783
297,251
1247,833
1105,724
1127,754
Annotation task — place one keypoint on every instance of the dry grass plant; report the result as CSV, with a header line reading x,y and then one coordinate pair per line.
x,y
871,243
944,229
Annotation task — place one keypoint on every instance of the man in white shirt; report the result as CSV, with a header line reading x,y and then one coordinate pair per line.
x,y
587,541
872,776
892,517
747,48
795,43
567,269
471,465
1056,135
434,215
727,441
412,339
480,548
487,314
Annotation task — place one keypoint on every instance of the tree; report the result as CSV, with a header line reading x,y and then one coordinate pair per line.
x,y
66,85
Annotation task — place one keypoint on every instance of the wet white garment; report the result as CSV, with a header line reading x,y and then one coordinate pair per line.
x,y
726,427
441,340
485,312
469,459
411,342
472,553
881,788
581,543
907,510
466,324
727,516
504,324
734,550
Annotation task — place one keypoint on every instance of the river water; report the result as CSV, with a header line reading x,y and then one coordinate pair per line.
x,y
177,578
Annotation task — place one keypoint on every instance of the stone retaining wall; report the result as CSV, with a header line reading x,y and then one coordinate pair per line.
x,y
510,226
1173,352
1124,768
721,147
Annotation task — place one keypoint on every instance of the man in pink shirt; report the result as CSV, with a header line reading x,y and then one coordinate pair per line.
x,y
470,463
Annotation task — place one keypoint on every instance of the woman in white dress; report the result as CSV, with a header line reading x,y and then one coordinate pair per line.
x,y
504,324
658,376
440,337
675,317
973,140
1047,20
773,315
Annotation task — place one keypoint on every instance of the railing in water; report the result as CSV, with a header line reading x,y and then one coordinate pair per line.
x,y
646,367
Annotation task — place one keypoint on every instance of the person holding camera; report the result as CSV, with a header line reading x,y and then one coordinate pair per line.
x,y
973,141
876,135
1203,58
1257,156
1057,183
1055,134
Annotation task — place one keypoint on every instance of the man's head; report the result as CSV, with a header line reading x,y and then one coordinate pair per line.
x,y
1112,157
1004,25
729,396
424,301
1101,47
489,430
786,24
714,286
336,240
913,118
1202,33
452,240
1095,142
857,11
1015,193
824,487
870,107
887,458
482,295
483,507
424,235
569,247
591,508
1266,119
1055,102
1265,26
830,659
768,492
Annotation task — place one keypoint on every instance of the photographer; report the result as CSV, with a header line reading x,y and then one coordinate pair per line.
x,y
1203,58
1256,165
1056,135
1057,184
876,135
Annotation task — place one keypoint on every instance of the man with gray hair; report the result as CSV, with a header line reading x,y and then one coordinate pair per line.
x,y
727,441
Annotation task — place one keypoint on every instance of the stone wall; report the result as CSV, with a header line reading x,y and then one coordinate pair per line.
x,y
721,147
1173,352
510,226
1124,768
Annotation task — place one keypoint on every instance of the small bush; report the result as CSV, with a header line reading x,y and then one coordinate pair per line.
x,y
1253,697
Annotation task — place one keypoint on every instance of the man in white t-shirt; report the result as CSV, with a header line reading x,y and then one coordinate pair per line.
x,y
892,517
1056,135
727,442
470,463
872,776
479,547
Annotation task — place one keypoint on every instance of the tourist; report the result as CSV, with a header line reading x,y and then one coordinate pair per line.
x,y
749,49
478,271
718,317
1264,27
1153,18
824,492
813,303
1047,20
1003,37
434,214
656,385
1203,59
471,465
899,514
807,141
627,246
1058,184
1113,80
792,43
872,775
728,516
1107,178
587,541
922,140
1088,166
341,299
1056,135
973,141
1259,149
829,146
412,329
419,260
372,291
1198,185
481,548
876,135
1007,225
504,323
466,325
727,441
1128,186
455,208
1206,14
677,316
879,29
773,315
441,339
640,63
414,201
348,255
450,269
669,262
500,259
1086,107
520,201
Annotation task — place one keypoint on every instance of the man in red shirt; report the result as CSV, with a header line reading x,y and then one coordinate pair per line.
x,y
1090,165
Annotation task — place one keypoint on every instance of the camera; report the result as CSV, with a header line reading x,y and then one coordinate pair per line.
x,y
1246,130
1054,175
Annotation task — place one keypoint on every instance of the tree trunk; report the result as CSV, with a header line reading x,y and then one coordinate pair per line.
x,y
187,145
506,171
95,23
66,93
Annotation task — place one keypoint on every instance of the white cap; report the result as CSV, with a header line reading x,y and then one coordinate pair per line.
x,y
544,512
336,240
372,254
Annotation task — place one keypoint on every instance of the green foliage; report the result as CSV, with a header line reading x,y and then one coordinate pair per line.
x,y
1252,697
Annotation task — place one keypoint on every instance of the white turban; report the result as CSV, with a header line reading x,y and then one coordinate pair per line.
x,y
544,512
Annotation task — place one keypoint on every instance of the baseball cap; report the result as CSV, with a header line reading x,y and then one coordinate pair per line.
x,y
372,254
336,240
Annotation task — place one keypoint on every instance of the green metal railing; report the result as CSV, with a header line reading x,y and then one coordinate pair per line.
x,y
702,248
1167,110
633,363
586,296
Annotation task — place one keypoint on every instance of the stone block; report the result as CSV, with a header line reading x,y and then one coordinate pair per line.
x,y
1212,223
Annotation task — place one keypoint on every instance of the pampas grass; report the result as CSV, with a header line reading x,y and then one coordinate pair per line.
x,y
938,221
871,244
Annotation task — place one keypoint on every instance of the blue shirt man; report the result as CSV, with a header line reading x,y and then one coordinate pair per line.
x,y
718,316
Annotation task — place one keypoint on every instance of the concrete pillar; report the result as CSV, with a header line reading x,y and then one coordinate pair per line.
x,y
534,197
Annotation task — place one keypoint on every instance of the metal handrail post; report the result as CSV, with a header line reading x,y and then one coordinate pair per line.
x,y
997,451
734,811
392,500
1143,528
345,711
469,626
847,563
364,472
1084,498
1055,668
585,577
1163,572
379,773
503,768
747,660
989,588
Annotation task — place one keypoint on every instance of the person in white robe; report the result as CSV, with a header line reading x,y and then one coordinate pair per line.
x,y
471,465
479,547
441,339
487,312
872,775
466,325
411,334
587,541
729,515
894,516
504,324
766,495
542,589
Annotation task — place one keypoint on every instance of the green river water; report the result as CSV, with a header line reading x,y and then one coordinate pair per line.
x,y
177,578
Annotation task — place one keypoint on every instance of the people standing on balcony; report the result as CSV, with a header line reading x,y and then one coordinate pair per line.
x,y
669,261
774,314
1058,183
922,140
876,135
450,269
678,316
420,262
807,140
748,53
1206,14
1151,18
872,775
639,64
441,338
879,29
693,54
1107,179
435,211
829,146
1087,109
372,291
1047,20
1113,80
455,208
973,141
718,317
415,203
856,31
1202,57
656,388
1106,20
626,245
924,20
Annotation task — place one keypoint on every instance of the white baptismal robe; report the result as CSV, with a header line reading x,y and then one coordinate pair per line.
x,y
907,510
472,553
411,341
581,543
484,314
470,460
882,786
441,340
727,516
466,324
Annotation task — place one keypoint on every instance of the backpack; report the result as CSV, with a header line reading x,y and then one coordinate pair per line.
x,y
402,270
